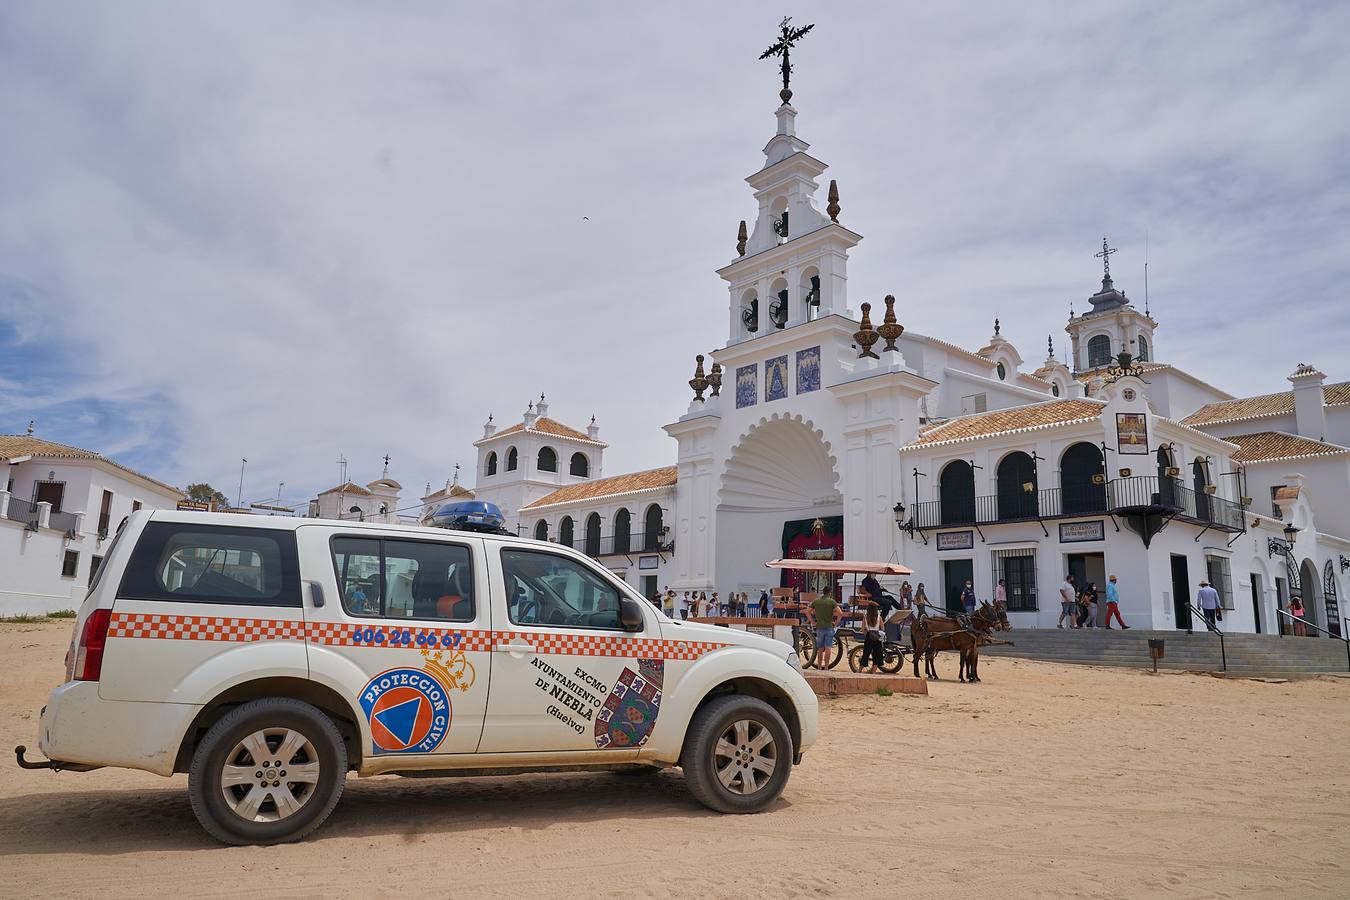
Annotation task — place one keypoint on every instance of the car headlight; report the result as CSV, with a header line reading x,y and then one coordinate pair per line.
x,y
794,660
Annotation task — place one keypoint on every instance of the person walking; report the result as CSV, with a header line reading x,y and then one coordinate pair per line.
x,y
1113,603
920,600
1208,600
684,607
1298,612
1001,594
1089,610
1068,601
766,604
873,641
701,604
743,607
826,613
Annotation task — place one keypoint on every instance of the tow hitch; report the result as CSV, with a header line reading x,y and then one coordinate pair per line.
x,y
54,764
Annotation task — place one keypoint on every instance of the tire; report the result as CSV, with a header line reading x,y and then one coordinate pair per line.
x,y
223,790
892,660
855,659
719,785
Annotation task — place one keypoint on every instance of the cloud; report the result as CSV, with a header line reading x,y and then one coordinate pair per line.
x,y
287,232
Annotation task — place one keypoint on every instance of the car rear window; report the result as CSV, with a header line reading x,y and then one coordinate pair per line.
x,y
194,563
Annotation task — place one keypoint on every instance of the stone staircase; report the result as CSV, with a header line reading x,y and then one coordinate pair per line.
x,y
1249,655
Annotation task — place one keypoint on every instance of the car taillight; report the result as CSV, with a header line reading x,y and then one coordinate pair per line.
x,y
89,652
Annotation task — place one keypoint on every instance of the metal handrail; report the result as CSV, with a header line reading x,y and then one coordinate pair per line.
x,y
1223,651
1345,640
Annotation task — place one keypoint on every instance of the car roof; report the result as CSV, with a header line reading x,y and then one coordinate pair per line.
x,y
291,523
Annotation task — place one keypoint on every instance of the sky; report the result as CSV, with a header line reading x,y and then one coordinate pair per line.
x,y
299,232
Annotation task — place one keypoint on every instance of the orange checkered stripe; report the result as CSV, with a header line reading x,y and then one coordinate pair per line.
x,y
203,628
391,636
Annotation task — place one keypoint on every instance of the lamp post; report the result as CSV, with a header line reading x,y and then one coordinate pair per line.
x,y
899,510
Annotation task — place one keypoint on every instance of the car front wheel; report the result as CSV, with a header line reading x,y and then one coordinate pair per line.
x,y
268,772
737,754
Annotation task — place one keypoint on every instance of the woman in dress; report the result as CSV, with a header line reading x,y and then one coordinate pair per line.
x,y
1296,609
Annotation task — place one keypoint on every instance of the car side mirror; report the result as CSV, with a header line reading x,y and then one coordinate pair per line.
x,y
630,614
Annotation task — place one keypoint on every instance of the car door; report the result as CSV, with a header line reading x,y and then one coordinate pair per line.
x,y
402,632
566,676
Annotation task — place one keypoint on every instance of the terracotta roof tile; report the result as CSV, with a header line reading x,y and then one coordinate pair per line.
x,y
608,487
1004,421
14,445
1271,446
553,427
1262,406
348,488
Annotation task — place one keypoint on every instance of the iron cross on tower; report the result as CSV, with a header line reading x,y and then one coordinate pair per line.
x,y
787,38
1105,257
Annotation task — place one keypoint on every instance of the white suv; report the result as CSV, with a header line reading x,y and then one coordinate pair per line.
x,y
267,657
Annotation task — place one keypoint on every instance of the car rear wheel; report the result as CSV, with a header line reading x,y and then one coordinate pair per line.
x,y
268,772
737,754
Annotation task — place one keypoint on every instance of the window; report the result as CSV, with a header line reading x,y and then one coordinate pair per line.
x,y
1275,511
1080,469
541,530
95,566
956,493
512,460
653,522
580,466
1216,567
69,564
135,505
1017,568
549,590
398,579
974,403
593,534
565,531
52,492
1099,351
491,467
1002,372
1017,495
1054,389
548,460
623,531
105,514
1143,348
195,563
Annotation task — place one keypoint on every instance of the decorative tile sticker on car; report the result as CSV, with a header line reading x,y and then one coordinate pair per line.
x,y
629,713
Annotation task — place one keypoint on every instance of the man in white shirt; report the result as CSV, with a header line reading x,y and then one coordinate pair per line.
x,y
1208,600
1067,601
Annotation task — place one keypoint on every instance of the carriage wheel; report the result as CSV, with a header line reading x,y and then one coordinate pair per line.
x,y
893,660
855,659
806,647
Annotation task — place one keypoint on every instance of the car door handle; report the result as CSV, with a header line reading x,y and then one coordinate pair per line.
x,y
316,594
521,649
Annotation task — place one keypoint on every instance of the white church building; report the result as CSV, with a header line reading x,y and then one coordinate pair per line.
x,y
822,428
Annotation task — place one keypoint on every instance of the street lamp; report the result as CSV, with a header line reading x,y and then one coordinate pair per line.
x,y
899,511
1290,532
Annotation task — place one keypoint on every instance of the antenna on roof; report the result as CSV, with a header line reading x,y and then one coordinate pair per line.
x,y
1146,272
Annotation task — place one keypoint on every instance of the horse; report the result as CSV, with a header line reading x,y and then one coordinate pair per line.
x,y
963,635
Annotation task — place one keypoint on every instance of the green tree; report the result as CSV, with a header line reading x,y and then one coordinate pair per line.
x,y
204,493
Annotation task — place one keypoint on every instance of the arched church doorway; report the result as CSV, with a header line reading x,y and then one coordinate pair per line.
x,y
777,497
1312,600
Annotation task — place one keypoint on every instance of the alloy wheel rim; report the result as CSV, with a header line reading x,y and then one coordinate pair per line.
x,y
270,775
746,757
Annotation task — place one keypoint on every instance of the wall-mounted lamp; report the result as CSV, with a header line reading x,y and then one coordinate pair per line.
x,y
1126,472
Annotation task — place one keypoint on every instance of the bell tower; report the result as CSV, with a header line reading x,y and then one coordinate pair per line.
x,y
1111,325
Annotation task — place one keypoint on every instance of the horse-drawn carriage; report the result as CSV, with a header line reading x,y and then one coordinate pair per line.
x,y
928,633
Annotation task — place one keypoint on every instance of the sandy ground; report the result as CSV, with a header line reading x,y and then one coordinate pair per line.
x,y
1044,781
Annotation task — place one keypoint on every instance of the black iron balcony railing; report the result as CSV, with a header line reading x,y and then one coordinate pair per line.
x,y
1140,493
